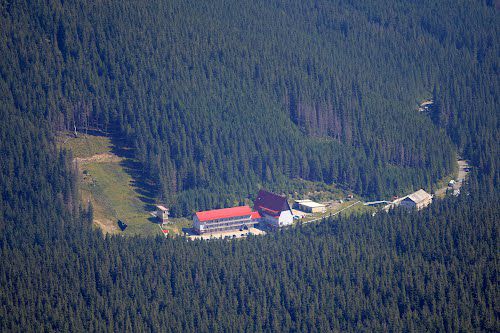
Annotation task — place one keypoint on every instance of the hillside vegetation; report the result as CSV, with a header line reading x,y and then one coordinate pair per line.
x,y
220,96
223,98
106,180
431,271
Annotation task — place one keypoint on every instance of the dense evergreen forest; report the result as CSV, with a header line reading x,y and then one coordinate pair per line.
x,y
432,271
223,97
219,97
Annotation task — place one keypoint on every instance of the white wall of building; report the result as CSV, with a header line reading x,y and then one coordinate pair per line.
x,y
286,218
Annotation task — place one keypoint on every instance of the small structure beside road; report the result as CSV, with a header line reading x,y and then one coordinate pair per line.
x,y
425,106
309,206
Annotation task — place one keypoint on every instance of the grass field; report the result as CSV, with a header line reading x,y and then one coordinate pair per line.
x,y
359,209
109,179
116,198
85,145
346,208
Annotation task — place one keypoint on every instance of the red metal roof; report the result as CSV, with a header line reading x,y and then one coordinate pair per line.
x,y
255,215
270,211
223,213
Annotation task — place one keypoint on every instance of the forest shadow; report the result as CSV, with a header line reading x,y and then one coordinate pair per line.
x,y
188,231
143,186
153,219
94,132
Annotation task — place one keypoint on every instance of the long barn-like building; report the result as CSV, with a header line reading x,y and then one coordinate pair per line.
x,y
417,200
226,219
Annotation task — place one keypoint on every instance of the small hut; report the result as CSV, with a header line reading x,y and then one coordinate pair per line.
x,y
162,214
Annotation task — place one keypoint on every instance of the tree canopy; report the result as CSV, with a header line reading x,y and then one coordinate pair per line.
x,y
220,96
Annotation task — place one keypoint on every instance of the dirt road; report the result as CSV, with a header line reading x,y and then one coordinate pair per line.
x,y
463,170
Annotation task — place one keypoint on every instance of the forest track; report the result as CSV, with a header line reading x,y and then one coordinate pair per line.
x,y
333,214
463,171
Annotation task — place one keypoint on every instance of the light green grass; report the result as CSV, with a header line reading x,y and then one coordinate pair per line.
x,y
356,209
111,187
178,224
85,145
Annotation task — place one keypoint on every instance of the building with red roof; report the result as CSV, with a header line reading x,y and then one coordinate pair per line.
x,y
225,219
274,209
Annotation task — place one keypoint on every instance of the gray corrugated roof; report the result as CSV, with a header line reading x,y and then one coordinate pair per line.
x,y
419,196
309,203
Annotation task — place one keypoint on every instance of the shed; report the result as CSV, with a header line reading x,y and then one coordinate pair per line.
x,y
310,206
162,214
417,200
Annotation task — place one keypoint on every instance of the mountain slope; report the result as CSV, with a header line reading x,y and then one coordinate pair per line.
x,y
220,98
63,65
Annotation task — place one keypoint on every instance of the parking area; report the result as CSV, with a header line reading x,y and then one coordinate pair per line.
x,y
233,234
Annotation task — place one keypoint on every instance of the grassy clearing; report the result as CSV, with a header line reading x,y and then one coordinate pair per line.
x,y
359,209
85,145
178,224
111,181
107,182
346,208
111,188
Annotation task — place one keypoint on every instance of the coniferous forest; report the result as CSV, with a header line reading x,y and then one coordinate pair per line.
x,y
218,98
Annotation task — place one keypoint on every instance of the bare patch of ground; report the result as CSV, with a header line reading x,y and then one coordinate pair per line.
x,y
107,226
99,158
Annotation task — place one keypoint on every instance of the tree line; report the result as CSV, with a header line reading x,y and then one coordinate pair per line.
x,y
222,101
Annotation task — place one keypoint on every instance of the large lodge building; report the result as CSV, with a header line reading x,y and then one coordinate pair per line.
x,y
271,210
226,219
417,200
